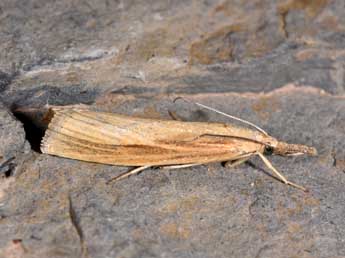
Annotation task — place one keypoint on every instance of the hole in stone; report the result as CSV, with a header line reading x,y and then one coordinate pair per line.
x,y
7,168
35,122
8,172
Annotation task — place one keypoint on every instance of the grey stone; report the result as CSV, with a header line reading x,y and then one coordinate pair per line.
x,y
206,211
12,140
278,64
5,79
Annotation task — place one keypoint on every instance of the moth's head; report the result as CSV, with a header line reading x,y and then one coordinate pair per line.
x,y
287,149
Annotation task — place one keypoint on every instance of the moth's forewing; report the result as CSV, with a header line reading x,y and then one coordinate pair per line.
x,y
121,140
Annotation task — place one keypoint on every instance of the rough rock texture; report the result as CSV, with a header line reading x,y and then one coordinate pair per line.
x,y
12,140
279,64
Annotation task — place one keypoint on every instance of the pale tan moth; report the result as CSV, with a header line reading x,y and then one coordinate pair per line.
x,y
108,138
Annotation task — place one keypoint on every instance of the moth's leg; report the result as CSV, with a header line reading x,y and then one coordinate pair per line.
x,y
174,116
234,163
278,174
129,173
179,166
239,160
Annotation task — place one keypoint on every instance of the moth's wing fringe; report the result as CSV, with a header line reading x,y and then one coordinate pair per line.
x,y
50,134
66,124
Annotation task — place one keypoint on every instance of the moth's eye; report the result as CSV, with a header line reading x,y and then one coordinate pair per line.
x,y
268,150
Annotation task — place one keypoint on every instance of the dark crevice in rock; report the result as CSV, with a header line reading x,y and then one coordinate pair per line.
x,y
30,107
8,173
34,122
76,224
7,167
338,163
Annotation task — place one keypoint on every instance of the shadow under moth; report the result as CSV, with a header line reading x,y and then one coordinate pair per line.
x,y
108,138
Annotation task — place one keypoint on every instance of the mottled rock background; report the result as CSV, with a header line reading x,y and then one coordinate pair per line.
x,y
279,64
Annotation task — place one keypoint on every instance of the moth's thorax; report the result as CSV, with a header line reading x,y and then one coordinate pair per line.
x,y
267,140
250,134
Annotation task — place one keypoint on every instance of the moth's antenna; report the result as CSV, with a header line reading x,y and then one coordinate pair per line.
x,y
225,114
233,117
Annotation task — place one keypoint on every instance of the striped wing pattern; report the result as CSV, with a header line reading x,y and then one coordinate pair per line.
x,y
122,140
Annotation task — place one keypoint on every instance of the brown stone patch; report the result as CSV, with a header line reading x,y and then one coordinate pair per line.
x,y
149,112
310,7
216,47
306,54
174,230
340,164
265,106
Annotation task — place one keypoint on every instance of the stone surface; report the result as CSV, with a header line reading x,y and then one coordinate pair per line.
x,y
279,64
12,140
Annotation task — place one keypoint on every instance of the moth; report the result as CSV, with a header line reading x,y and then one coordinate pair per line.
x,y
116,139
